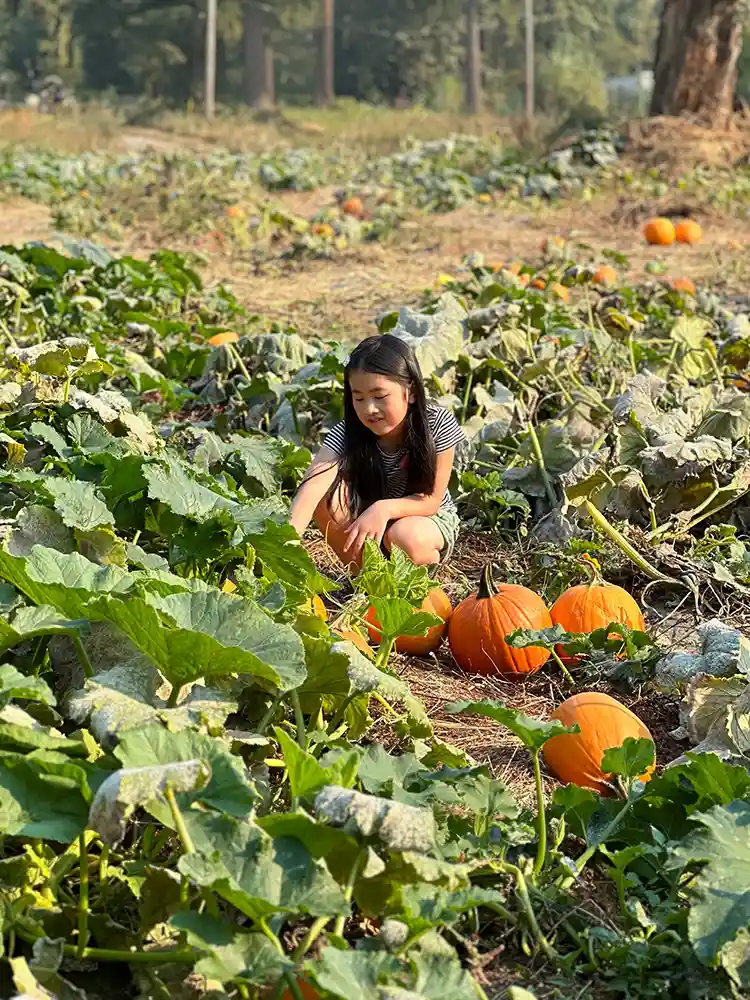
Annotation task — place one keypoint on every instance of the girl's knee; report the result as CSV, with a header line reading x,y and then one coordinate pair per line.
x,y
419,544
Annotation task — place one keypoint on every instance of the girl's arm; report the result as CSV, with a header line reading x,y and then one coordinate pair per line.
x,y
427,504
318,480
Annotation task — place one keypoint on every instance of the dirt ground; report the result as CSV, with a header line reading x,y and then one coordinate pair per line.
x,y
342,296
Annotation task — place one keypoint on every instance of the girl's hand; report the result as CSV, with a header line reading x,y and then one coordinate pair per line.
x,y
371,524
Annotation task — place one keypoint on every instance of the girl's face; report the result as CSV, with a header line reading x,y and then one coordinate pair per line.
x,y
380,402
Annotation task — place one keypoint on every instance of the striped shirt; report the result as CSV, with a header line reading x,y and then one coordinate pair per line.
x,y
447,434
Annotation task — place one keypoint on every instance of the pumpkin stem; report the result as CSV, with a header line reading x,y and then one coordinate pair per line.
x,y
487,585
593,570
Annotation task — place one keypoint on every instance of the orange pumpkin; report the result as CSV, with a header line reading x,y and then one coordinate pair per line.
x,y
353,206
559,291
659,232
481,623
324,230
308,992
539,283
524,279
595,604
515,267
604,723
220,339
235,212
688,231
349,635
686,285
605,275
437,603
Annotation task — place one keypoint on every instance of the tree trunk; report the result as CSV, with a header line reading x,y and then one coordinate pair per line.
x,y
473,58
695,69
258,68
326,93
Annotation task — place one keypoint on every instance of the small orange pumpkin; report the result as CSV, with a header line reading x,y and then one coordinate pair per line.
x,y
659,232
480,624
604,724
686,285
324,230
605,275
559,291
595,604
220,339
436,603
353,206
688,231
349,635
235,212
539,283
307,991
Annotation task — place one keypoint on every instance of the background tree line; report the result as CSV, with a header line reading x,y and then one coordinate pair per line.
x,y
389,51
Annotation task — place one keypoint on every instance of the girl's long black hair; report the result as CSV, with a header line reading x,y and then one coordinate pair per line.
x,y
360,467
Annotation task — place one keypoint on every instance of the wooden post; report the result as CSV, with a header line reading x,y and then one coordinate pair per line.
x,y
210,83
473,58
258,63
530,100
326,90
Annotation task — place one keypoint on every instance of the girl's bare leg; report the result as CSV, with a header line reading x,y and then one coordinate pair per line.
x,y
419,537
333,518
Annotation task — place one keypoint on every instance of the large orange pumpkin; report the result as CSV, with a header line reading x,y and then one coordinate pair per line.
x,y
481,623
437,603
595,604
659,232
688,231
353,206
604,723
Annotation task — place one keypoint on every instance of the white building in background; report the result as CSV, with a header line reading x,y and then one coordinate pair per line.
x,y
631,92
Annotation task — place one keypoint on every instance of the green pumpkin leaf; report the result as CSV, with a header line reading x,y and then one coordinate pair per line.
x,y
227,790
46,797
307,775
533,733
207,634
397,617
32,622
259,875
630,760
231,952
400,827
721,892
14,684
126,790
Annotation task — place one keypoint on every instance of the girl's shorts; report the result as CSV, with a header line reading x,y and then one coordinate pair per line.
x,y
448,522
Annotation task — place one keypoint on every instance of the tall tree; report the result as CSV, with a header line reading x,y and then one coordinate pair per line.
x,y
695,69
326,93
473,58
258,63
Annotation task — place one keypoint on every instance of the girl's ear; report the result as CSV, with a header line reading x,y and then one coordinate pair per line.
x,y
412,396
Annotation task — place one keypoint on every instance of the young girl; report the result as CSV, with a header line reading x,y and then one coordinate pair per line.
x,y
383,471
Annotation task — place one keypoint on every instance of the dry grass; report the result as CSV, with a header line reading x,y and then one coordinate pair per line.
x,y
676,144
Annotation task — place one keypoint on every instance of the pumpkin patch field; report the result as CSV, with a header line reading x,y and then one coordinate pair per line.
x,y
229,770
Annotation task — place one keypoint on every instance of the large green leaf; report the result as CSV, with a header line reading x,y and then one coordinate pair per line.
x,y
227,789
399,827
231,952
67,581
284,558
307,775
354,975
77,503
722,906
32,622
259,875
125,697
207,634
46,798
128,789
14,684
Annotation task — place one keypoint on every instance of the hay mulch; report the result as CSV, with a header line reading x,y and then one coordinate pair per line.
x,y
676,144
